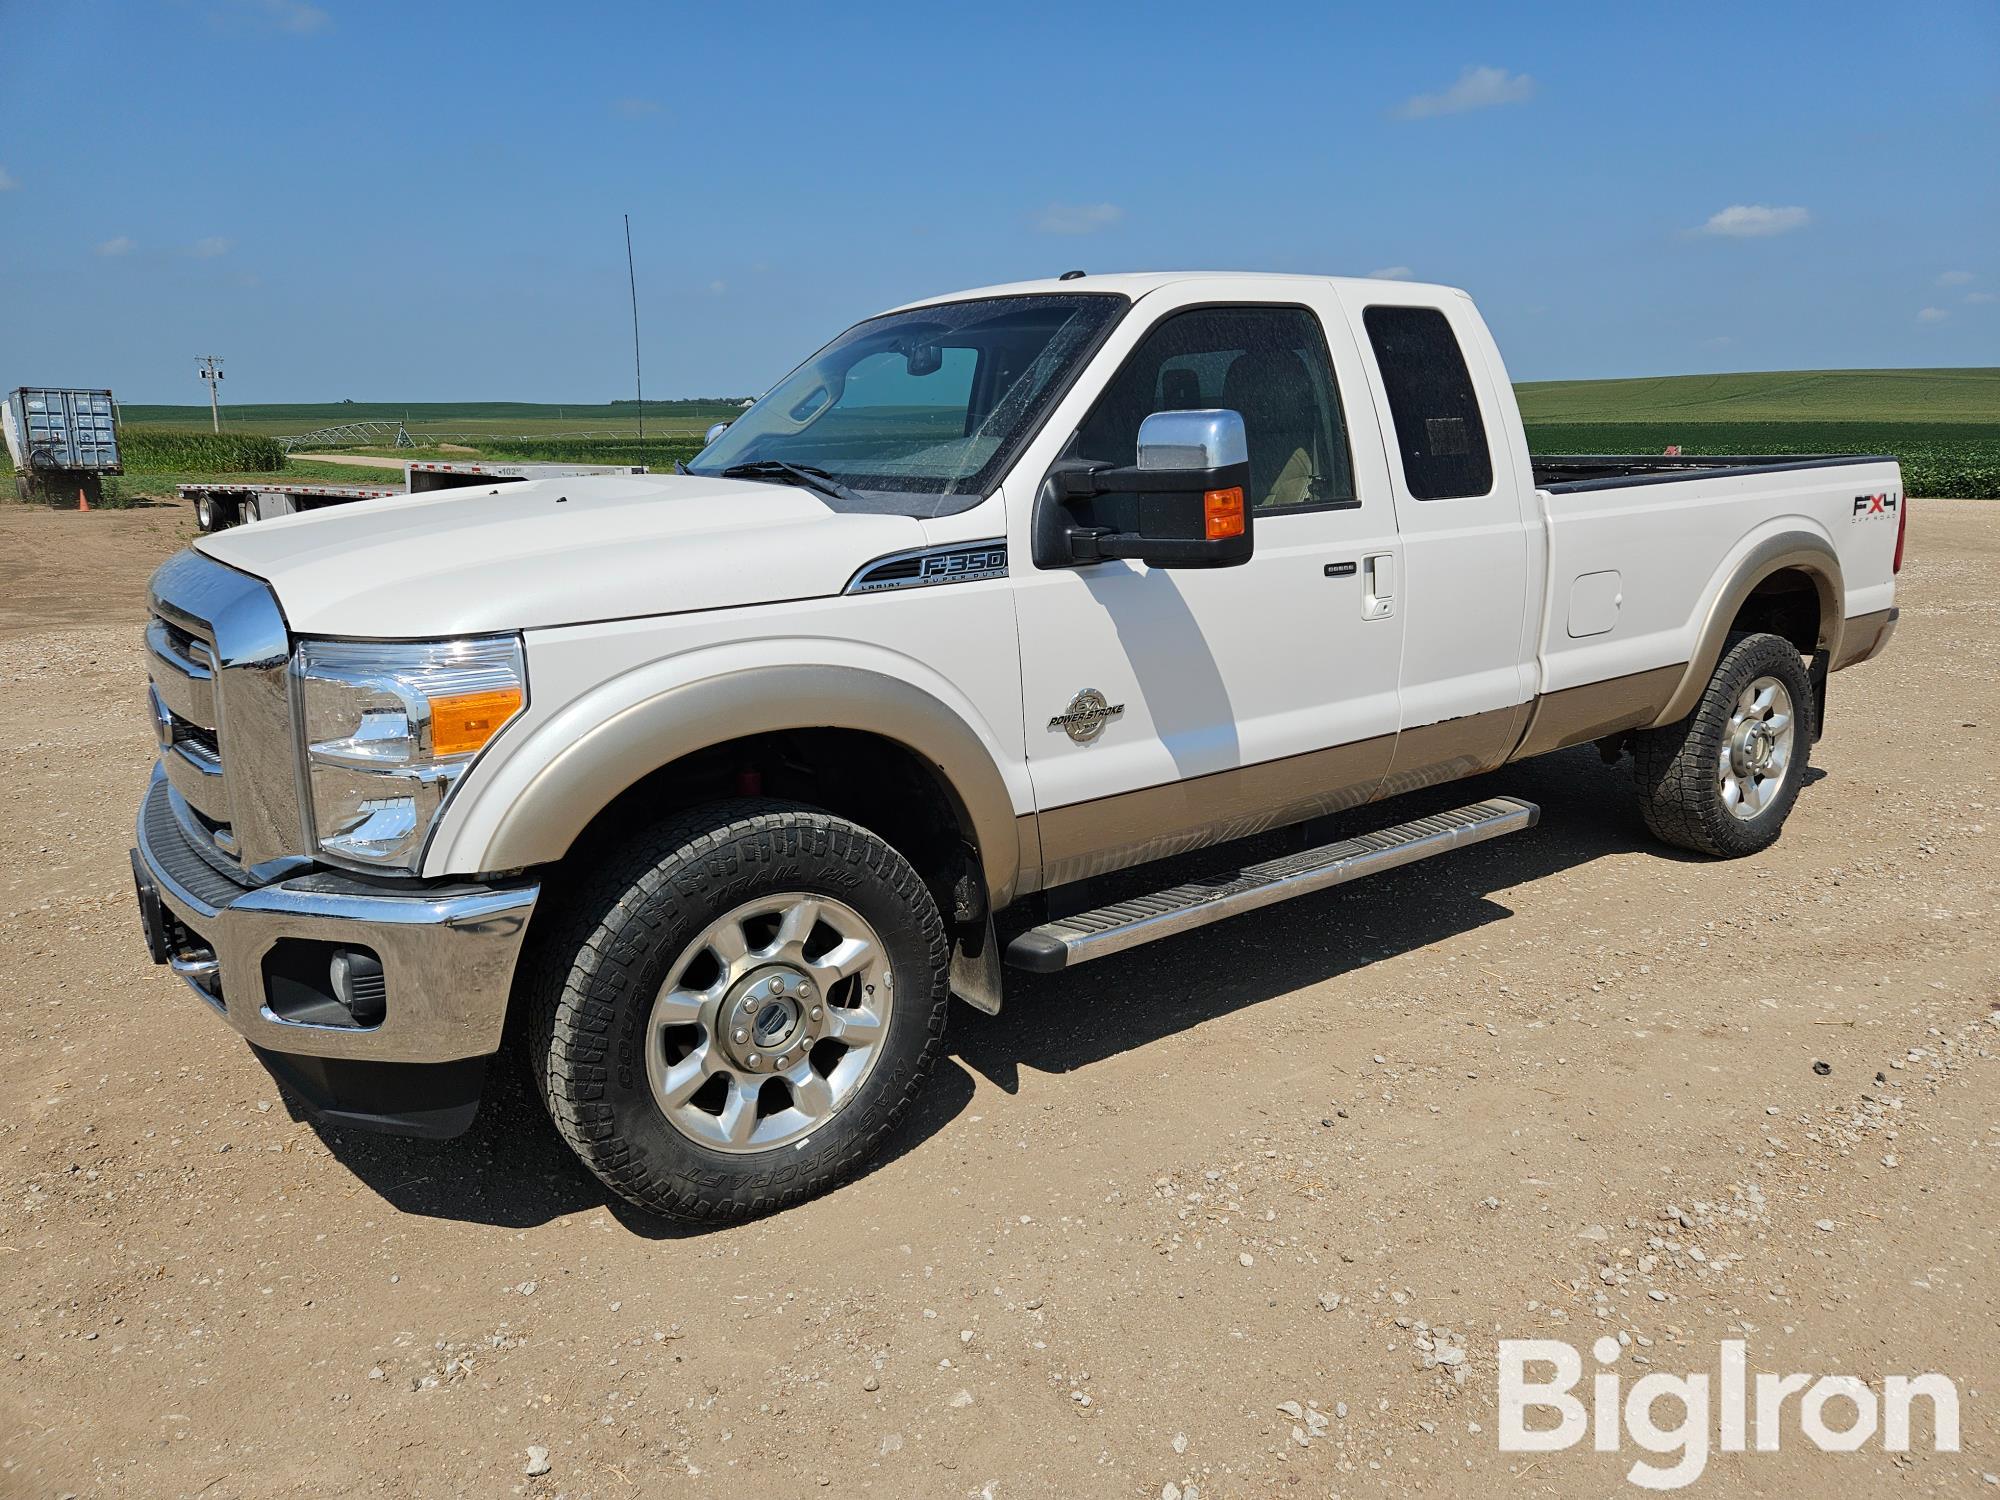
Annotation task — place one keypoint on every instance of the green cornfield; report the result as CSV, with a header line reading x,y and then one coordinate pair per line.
x,y
174,451
1960,459
658,454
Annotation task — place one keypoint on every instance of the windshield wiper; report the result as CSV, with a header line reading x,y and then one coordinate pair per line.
x,y
787,473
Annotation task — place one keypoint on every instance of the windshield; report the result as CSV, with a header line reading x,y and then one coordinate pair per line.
x,y
932,402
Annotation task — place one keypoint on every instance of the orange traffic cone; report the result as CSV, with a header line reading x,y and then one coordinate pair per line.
x,y
82,499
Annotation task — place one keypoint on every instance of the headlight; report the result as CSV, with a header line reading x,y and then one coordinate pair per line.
x,y
389,729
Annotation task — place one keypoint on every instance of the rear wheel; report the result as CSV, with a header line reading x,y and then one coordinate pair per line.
x,y
1723,780
740,1008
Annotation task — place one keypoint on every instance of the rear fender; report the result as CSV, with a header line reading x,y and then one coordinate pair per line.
x,y
1809,553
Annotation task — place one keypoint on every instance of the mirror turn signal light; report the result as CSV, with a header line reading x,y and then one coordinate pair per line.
x,y
1223,511
463,722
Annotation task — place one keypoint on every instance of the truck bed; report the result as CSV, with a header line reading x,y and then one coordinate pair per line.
x,y
1639,547
1562,473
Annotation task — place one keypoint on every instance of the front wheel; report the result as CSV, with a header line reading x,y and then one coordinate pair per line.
x,y
739,1009
1723,780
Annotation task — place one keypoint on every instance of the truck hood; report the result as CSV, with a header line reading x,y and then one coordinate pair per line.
x,y
554,552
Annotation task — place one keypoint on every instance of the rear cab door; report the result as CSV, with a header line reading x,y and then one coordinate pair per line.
x,y
1465,507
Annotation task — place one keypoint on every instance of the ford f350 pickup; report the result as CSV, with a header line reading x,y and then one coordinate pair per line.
x,y
707,788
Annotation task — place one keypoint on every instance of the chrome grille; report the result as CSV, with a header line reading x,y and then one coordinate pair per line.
x,y
199,742
185,720
217,651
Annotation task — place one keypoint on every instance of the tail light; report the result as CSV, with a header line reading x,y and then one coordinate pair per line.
x,y
1902,531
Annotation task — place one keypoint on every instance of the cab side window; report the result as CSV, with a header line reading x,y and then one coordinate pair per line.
x,y
1439,434
1269,364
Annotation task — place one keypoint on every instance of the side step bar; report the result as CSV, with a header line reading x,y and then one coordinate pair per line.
x,y
1126,924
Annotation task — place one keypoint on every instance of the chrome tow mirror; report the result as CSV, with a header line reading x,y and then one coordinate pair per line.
x,y
1182,505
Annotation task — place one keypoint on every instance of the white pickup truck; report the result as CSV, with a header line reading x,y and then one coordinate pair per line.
x,y
708,788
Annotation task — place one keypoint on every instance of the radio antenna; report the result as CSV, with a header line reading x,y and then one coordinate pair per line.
x,y
632,279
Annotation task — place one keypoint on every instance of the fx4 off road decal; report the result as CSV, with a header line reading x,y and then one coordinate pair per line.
x,y
1866,506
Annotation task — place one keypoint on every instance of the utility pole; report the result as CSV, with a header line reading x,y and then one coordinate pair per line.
x,y
211,371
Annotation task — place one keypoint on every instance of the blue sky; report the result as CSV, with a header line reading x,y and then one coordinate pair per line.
x,y
421,202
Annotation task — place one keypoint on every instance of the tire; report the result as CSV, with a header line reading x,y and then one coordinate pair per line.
x,y
615,1048
1701,784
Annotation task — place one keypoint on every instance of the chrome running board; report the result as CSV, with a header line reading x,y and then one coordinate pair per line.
x,y
1126,924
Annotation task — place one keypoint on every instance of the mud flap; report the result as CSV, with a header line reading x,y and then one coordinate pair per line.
x,y
975,969
1817,675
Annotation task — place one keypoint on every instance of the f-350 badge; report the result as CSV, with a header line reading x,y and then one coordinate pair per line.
x,y
1086,716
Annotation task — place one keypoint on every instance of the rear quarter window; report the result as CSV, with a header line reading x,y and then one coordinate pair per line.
x,y
1439,433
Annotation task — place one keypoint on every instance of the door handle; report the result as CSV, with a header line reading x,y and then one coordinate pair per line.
x,y
1378,598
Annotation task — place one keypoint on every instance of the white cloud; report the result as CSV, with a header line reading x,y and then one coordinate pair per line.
x,y
1745,221
634,109
1931,315
119,246
296,16
1477,88
8,181
1955,278
1978,296
1392,273
209,248
1078,218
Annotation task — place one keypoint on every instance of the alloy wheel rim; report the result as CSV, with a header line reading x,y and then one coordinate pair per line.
x,y
1757,748
769,1022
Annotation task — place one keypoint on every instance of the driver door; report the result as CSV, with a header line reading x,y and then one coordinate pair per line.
x,y
1237,698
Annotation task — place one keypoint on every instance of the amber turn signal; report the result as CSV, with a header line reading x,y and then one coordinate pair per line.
x,y
463,722
1223,510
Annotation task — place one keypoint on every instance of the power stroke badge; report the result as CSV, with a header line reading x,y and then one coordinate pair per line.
x,y
1086,716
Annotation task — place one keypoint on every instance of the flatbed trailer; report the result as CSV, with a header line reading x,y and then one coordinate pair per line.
x,y
220,505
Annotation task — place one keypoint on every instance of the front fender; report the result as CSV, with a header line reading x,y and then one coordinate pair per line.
x,y
529,806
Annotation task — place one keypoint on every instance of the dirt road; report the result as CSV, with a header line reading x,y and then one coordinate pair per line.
x,y
1560,1086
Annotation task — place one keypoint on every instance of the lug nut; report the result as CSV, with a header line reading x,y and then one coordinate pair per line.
x,y
805,987
742,1035
778,984
783,1063
815,1012
754,1060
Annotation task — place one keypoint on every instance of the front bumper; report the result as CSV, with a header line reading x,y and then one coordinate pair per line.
x,y
259,955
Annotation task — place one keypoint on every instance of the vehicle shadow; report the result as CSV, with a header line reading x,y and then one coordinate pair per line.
x,y
512,1171
1061,1023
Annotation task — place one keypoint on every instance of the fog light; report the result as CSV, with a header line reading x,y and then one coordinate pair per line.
x,y
356,979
